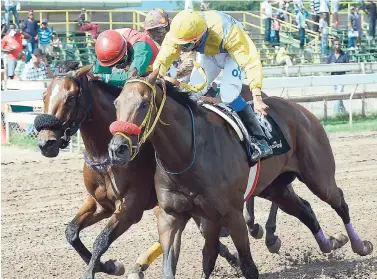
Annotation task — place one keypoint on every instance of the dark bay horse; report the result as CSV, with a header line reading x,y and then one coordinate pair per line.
x,y
203,170
122,194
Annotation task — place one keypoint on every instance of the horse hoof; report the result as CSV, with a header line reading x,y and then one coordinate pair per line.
x,y
366,249
257,231
116,267
138,275
338,240
274,248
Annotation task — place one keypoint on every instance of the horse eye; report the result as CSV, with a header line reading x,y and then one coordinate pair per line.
x,y
115,103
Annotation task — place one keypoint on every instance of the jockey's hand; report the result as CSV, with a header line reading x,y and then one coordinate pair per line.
x,y
259,106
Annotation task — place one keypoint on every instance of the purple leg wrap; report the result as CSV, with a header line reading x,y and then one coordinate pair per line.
x,y
354,238
323,242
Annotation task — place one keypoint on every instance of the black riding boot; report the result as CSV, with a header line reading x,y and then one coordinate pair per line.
x,y
251,122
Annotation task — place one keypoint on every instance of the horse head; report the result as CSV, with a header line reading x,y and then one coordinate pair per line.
x,y
137,115
66,107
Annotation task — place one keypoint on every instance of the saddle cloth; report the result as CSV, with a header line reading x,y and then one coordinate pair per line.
x,y
274,135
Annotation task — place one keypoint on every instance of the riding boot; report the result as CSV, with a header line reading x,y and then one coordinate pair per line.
x,y
251,122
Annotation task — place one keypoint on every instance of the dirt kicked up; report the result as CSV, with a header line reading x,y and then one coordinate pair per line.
x,y
39,196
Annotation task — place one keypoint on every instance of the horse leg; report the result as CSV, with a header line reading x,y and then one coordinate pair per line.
x,y
211,233
88,214
291,203
119,222
255,230
238,233
148,257
223,250
273,242
170,228
335,198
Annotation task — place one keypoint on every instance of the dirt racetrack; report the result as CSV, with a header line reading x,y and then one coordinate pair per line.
x,y
40,196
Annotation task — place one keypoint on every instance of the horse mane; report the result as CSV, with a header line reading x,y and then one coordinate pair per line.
x,y
72,65
112,90
67,66
181,97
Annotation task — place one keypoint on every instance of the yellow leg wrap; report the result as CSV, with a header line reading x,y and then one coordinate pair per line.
x,y
150,255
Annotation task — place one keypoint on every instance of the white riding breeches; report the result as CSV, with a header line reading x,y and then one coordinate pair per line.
x,y
231,81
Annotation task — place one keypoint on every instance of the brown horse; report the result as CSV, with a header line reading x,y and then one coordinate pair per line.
x,y
122,193
72,102
203,170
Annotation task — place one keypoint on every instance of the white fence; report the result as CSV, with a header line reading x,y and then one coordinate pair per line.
x,y
367,76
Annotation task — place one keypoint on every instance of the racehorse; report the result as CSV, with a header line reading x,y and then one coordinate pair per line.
x,y
70,102
203,169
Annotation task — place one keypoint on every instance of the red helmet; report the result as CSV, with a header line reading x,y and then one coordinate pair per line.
x,y
111,47
156,18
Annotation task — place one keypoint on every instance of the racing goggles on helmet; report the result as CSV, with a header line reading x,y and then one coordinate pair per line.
x,y
190,45
122,63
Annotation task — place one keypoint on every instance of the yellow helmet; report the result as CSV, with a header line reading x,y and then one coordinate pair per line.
x,y
187,26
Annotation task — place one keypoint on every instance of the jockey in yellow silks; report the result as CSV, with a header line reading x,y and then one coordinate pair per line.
x,y
221,44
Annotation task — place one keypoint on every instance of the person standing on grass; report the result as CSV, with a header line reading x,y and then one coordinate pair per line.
x,y
338,56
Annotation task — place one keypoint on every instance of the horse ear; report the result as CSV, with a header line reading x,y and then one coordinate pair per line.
x,y
83,71
153,76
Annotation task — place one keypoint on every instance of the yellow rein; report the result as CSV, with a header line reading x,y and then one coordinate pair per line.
x,y
146,122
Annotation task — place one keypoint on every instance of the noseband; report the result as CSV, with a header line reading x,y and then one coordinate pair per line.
x,y
70,126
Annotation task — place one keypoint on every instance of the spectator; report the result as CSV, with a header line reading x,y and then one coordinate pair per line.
x,y
359,27
298,5
276,28
371,10
86,26
300,19
30,30
353,32
338,56
56,44
204,6
324,8
267,17
334,11
12,6
314,5
44,38
37,68
283,10
282,57
324,31
12,44
20,66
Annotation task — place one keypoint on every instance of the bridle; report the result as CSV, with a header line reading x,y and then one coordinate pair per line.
x,y
70,126
146,126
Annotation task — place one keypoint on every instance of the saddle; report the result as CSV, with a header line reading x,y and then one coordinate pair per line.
x,y
274,135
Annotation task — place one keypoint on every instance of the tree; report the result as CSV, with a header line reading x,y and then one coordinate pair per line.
x,y
225,5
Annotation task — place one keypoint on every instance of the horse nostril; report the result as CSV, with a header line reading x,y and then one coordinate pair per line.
x,y
121,150
42,144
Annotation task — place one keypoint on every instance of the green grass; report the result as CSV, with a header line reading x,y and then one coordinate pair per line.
x,y
23,141
340,123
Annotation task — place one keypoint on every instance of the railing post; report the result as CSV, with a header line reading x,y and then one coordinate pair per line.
x,y
133,20
67,24
111,19
244,19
